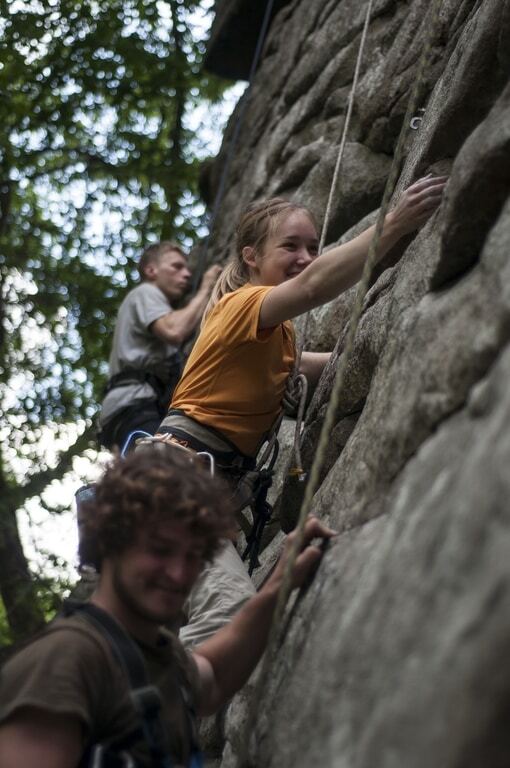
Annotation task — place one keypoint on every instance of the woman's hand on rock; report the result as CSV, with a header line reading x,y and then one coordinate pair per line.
x,y
417,204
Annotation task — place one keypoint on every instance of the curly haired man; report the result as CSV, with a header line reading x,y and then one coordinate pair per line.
x,y
153,524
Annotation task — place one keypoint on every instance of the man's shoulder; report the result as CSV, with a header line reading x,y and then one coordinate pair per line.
x,y
67,669
146,290
146,302
70,636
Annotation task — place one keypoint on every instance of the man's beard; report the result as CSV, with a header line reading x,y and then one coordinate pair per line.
x,y
136,607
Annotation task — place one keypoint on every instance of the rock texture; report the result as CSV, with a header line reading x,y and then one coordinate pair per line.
x,y
396,655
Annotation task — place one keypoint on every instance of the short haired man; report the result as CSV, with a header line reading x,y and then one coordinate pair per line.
x,y
154,522
145,361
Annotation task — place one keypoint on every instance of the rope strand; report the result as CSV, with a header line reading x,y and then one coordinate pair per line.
x,y
329,419
339,160
298,466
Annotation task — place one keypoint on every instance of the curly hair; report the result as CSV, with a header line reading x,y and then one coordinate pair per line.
x,y
145,489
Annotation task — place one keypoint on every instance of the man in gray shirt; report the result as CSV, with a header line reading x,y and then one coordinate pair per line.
x,y
145,361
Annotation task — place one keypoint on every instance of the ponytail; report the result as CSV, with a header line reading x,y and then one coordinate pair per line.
x,y
234,275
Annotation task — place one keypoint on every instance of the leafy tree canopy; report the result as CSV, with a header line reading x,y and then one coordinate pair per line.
x,y
97,159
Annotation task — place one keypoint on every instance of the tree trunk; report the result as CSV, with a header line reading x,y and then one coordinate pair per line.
x,y
174,126
17,588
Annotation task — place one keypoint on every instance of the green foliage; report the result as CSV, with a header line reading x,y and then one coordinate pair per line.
x,y
5,635
50,589
94,98
97,160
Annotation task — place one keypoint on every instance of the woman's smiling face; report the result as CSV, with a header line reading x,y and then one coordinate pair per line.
x,y
287,252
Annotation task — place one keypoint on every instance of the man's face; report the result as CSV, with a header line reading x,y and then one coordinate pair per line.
x,y
170,273
154,576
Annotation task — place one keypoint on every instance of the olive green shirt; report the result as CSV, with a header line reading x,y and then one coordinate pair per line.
x,y
70,670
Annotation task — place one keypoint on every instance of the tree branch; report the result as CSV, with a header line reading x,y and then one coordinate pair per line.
x,y
40,480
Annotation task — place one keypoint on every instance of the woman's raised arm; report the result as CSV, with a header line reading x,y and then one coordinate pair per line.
x,y
340,268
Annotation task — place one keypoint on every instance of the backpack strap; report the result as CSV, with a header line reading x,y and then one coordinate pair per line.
x,y
146,698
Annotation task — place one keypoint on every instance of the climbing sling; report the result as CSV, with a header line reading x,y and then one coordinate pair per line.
x,y
146,699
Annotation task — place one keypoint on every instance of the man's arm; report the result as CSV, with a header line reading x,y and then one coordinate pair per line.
x,y
227,659
178,325
35,739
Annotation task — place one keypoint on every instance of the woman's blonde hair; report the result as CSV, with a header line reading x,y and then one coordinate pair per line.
x,y
258,222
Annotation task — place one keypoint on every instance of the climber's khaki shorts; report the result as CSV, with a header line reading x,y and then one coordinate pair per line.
x,y
221,590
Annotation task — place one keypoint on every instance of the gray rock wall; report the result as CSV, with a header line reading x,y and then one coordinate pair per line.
x,y
397,655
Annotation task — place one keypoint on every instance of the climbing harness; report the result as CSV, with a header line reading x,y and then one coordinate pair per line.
x,y
329,419
112,432
249,479
231,150
145,697
162,387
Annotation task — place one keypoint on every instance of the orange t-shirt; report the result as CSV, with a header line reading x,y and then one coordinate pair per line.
x,y
235,376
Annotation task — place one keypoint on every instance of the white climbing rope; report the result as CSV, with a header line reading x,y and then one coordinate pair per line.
x,y
339,159
329,419
297,470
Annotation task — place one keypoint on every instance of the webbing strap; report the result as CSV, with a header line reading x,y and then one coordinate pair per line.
x,y
226,460
124,649
146,698
133,376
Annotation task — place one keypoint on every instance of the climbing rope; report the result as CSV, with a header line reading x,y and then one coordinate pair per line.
x,y
329,419
294,404
232,148
297,470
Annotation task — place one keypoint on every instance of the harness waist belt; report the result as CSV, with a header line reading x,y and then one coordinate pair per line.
x,y
189,433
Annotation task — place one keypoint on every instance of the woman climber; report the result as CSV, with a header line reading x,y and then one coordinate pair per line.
x,y
231,391
236,374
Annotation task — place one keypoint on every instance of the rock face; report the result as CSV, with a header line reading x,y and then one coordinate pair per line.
x,y
397,653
